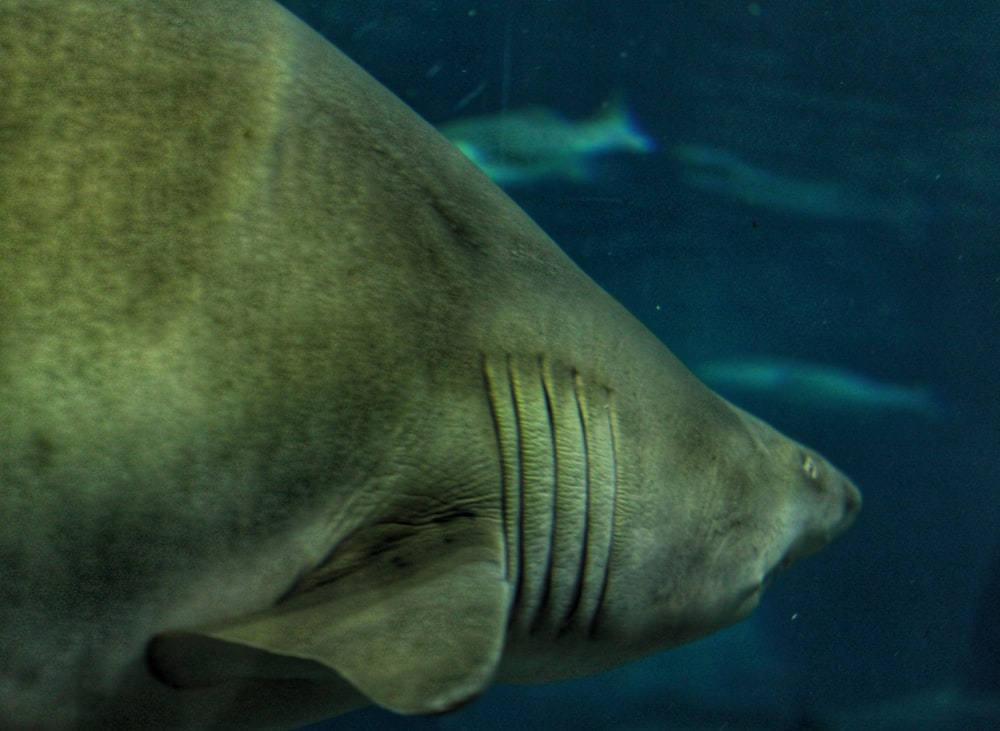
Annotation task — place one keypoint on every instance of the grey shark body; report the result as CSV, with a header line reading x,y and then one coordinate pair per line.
x,y
300,412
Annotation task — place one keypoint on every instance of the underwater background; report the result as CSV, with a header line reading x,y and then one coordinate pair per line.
x,y
808,217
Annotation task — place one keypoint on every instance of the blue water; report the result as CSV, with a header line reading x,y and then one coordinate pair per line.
x,y
896,108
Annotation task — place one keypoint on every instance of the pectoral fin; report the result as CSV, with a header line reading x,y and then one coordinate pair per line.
x,y
412,616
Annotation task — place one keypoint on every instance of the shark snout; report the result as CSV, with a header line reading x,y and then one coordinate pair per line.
x,y
843,506
851,507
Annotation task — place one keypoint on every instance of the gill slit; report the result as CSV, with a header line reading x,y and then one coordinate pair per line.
x,y
585,553
503,407
574,466
542,607
521,518
613,456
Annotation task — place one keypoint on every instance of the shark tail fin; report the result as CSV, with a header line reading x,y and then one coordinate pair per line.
x,y
621,125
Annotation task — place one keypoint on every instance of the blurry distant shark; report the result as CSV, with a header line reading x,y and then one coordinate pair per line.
x,y
817,386
724,172
527,145
946,708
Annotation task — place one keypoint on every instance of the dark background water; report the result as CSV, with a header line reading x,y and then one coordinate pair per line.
x,y
898,101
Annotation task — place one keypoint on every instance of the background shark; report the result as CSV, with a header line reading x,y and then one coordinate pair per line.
x,y
821,389
524,146
725,173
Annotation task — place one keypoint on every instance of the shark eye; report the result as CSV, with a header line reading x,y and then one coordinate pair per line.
x,y
810,467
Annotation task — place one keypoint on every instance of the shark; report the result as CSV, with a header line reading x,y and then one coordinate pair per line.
x,y
301,413
525,146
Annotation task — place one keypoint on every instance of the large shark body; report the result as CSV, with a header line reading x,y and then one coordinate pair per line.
x,y
299,412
